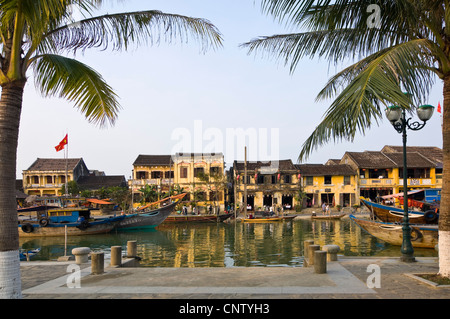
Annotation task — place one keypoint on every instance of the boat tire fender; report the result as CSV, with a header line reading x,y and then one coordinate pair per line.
x,y
430,216
415,234
84,225
27,228
43,222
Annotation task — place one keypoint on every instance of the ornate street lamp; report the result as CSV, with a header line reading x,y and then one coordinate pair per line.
x,y
397,117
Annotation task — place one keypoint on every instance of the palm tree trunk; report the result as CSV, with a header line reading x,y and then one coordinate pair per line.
x,y
10,110
444,213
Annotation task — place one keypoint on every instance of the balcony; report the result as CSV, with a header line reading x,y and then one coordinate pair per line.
x,y
417,182
381,182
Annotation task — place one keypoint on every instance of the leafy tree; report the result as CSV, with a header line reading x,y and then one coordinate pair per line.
x,y
400,46
34,35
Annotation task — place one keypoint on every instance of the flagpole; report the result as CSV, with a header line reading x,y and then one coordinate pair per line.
x,y
66,154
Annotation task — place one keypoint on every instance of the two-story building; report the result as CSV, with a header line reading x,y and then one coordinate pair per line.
x,y
269,184
332,183
183,171
45,177
380,173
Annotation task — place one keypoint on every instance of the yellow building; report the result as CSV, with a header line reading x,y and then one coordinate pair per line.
x,y
332,184
45,177
380,173
183,170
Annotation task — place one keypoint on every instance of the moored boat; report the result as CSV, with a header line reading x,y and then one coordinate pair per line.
x,y
198,218
327,217
66,221
262,220
150,218
422,236
391,214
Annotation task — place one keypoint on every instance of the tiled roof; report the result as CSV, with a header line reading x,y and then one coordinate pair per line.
x,y
54,164
371,159
97,182
153,160
432,153
322,170
282,165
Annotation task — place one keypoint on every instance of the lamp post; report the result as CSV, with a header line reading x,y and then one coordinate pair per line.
x,y
397,117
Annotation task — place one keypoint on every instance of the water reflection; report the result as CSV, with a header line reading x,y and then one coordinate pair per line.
x,y
228,245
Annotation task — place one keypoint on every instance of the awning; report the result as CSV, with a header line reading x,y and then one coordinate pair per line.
x,y
401,194
98,201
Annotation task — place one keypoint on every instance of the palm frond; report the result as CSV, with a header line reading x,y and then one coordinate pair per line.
x,y
118,31
78,83
368,85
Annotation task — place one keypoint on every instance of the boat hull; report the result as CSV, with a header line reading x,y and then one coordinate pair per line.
x,y
149,219
197,218
28,229
389,214
262,220
327,217
422,236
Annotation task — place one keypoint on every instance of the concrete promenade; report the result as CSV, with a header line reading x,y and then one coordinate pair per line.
x,y
347,278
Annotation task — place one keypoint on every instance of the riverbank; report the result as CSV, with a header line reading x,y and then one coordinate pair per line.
x,y
347,278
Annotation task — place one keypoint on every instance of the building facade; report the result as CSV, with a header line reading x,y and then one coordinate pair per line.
x,y
184,171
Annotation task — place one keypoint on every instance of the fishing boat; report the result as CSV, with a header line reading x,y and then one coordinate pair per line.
x,y
71,221
422,236
27,254
327,217
198,218
262,220
146,217
391,214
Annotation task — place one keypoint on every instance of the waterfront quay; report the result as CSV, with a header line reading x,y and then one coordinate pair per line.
x,y
346,278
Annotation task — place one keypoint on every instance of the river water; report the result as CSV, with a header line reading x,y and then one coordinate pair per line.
x,y
227,244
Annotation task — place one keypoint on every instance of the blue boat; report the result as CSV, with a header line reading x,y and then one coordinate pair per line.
x,y
66,221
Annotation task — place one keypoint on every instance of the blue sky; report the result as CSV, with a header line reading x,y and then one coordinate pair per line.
x,y
173,88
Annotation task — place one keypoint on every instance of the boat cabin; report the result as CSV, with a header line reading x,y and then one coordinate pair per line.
x,y
68,215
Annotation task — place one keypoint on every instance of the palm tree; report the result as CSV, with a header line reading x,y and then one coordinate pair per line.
x,y
34,35
399,46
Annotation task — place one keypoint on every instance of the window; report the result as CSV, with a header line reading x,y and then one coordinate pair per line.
x,y
287,179
141,175
156,174
198,171
309,180
35,179
49,179
214,170
183,172
327,180
168,174
346,180
260,179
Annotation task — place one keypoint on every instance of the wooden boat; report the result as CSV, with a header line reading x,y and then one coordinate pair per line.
x,y
262,220
422,236
391,214
327,217
197,218
150,218
62,221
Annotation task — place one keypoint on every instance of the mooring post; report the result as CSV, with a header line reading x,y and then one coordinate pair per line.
x,y
311,250
306,245
320,262
97,263
116,256
132,249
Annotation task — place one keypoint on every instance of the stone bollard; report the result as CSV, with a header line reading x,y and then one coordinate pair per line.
x,y
132,249
306,245
116,256
311,250
332,251
97,263
81,255
320,262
